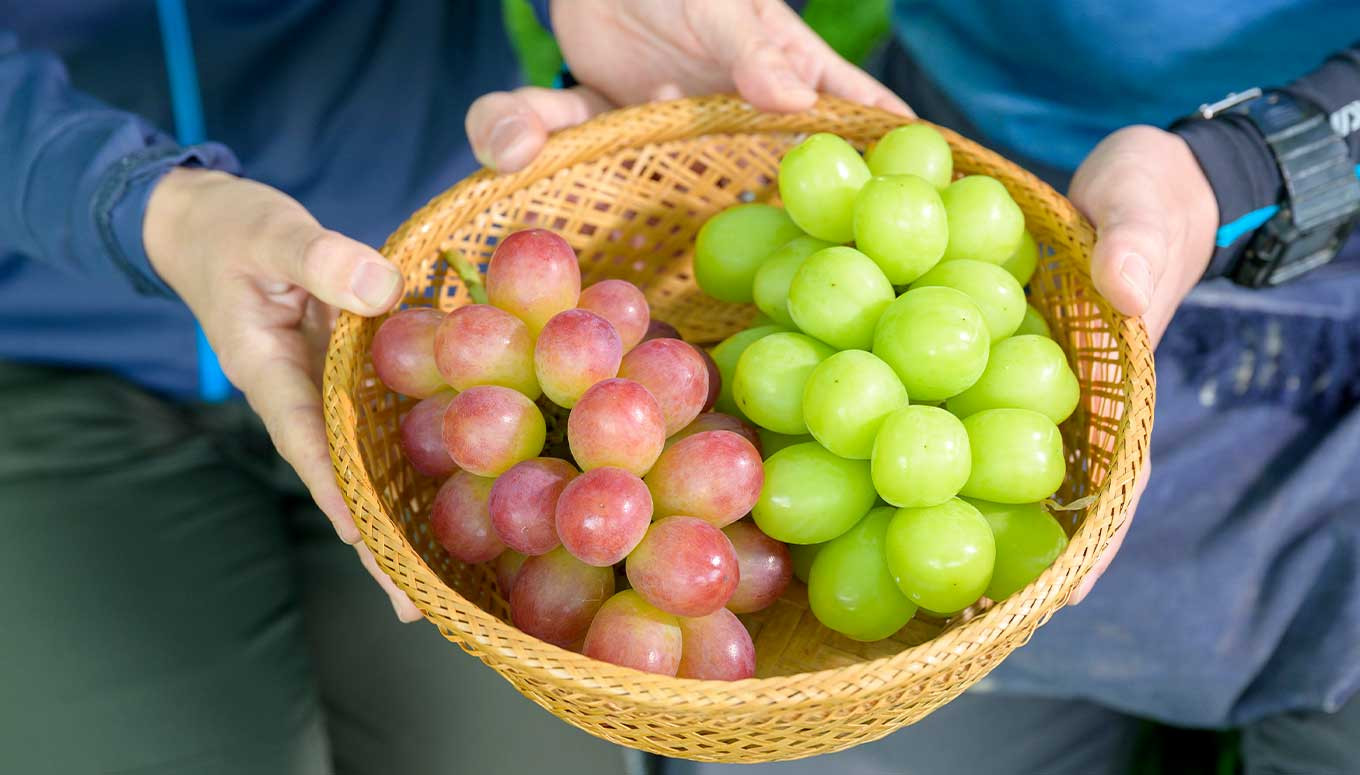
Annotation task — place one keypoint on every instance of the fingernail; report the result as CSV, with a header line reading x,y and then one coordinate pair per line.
x,y
507,140
375,283
1138,276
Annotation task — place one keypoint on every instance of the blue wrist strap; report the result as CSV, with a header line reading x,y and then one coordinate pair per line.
x,y
187,105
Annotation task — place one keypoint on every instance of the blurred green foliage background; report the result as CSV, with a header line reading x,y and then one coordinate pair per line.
x,y
852,27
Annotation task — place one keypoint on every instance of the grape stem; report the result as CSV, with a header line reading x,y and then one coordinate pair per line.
x,y
468,273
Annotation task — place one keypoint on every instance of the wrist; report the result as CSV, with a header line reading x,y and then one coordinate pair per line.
x,y
170,217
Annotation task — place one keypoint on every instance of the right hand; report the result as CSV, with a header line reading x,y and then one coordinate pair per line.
x,y
263,278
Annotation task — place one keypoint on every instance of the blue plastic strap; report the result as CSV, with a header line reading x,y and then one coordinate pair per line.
x,y
187,105
1229,233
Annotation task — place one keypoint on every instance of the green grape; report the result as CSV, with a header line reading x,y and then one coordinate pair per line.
x,y
1017,456
985,224
1024,260
761,319
935,339
1023,372
850,588
837,296
1033,323
914,149
941,556
726,355
900,223
803,556
771,442
769,379
992,288
818,180
811,495
920,457
846,399
1028,540
771,289
732,244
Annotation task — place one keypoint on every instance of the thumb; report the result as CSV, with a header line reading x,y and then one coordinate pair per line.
x,y
508,129
340,271
1131,242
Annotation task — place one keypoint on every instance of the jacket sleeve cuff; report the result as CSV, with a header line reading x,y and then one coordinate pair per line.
x,y
120,204
1241,169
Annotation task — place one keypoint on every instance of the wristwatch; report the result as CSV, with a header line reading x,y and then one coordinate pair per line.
x,y
1321,202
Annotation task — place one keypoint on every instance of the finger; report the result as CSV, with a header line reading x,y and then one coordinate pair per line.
x,y
738,37
1116,541
280,391
401,604
339,271
508,129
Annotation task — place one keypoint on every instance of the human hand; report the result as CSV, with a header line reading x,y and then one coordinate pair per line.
x,y
264,280
1155,217
629,51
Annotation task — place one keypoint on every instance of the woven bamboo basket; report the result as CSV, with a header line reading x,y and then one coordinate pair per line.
x,y
629,190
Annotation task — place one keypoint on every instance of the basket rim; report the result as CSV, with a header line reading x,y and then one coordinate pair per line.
x,y
493,638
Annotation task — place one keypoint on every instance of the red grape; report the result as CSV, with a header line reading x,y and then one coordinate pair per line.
x,y
766,567
524,504
508,564
716,647
575,350
714,380
717,421
460,520
660,329
489,428
628,631
684,566
616,423
481,345
675,373
623,305
714,475
422,436
533,275
602,514
403,352
556,596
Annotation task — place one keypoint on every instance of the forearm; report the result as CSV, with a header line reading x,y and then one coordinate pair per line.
x,y
76,175
1240,166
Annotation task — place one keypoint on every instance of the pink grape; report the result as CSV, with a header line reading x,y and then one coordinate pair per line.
x,y
481,345
603,514
623,305
403,352
460,519
675,373
717,421
660,329
489,428
508,564
575,350
765,564
715,476
422,436
714,380
630,632
524,504
616,423
716,647
556,596
533,275
684,566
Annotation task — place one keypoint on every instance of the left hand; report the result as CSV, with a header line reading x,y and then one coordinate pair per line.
x,y
1155,217
629,51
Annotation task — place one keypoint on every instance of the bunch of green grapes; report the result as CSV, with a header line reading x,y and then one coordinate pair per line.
x,y
907,395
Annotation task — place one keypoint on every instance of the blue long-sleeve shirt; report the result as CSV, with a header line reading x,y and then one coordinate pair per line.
x,y
355,109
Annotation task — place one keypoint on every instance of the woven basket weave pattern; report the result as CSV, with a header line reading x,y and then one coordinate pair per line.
x,y
629,190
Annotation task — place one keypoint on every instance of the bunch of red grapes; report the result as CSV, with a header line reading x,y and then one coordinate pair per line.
x,y
579,453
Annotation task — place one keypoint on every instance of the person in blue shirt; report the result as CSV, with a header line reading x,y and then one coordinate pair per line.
x,y
1233,600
